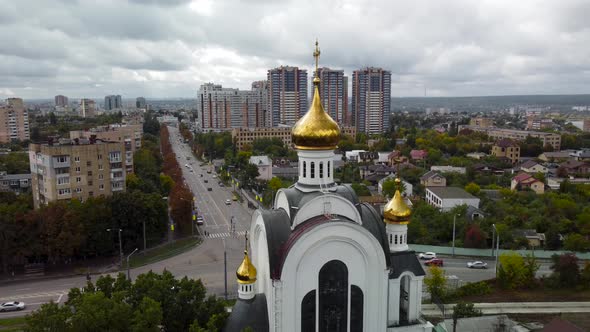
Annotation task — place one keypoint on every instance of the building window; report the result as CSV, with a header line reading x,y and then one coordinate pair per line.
x,y
321,170
304,169
90,182
88,163
78,169
91,193
312,169
62,159
395,239
328,169
89,173
356,309
333,297
100,176
100,167
78,190
101,186
63,180
308,312
99,157
78,179
77,159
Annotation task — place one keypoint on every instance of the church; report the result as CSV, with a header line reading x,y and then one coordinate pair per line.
x,y
319,259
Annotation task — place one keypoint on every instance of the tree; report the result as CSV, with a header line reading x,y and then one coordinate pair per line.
x,y
565,270
52,119
436,282
464,310
511,272
576,242
474,237
472,188
148,316
390,186
50,317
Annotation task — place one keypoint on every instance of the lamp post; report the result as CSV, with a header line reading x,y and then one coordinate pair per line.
x,y
454,221
497,248
128,268
224,269
144,241
120,243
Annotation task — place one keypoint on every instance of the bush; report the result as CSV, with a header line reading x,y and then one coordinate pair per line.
x,y
473,288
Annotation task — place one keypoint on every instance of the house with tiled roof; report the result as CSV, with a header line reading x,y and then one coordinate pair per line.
x,y
433,179
533,167
418,154
575,167
524,180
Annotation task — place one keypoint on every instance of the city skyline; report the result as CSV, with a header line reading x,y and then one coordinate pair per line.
x,y
167,49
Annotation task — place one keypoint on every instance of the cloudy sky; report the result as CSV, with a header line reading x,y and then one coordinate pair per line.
x,y
167,48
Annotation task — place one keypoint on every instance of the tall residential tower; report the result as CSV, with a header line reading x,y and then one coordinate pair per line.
x,y
371,100
287,95
334,93
14,121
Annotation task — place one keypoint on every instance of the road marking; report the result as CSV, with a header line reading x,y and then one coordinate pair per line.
x,y
59,298
22,289
33,295
225,235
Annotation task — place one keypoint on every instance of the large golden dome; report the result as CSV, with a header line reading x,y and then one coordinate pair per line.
x,y
397,211
246,273
316,130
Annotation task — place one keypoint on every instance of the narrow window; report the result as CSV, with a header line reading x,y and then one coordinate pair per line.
x,y
396,239
304,169
308,312
321,170
333,297
328,169
312,169
356,309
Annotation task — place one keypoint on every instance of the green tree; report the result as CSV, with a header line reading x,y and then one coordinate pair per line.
x,y
166,184
576,242
50,317
464,310
436,282
472,188
565,270
147,316
52,119
511,272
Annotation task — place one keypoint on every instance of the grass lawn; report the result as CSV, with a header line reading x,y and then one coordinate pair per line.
x,y
163,252
538,294
13,324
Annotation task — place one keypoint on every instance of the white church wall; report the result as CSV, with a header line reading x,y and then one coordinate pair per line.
x,y
281,201
330,203
355,247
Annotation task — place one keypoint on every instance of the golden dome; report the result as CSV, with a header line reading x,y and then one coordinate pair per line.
x,y
316,130
396,210
246,273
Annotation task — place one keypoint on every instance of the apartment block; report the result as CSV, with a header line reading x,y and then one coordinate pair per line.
x,y
371,100
14,121
113,102
129,135
16,183
519,135
61,101
140,103
219,108
506,148
243,136
481,122
334,93
287,95
536,123
87,108
254,104
76,169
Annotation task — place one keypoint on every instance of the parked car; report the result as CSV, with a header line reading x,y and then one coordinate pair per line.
x,y
227,202
427,255
206,181
209,189
434,261
215,176
221,184
12,306
477,265
200,220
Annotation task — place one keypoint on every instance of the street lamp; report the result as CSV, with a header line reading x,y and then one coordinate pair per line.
x,y
497,247
120,243
454,221
128,268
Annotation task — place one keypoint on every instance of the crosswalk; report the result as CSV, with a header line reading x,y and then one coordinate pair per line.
x,y
34,295
225,234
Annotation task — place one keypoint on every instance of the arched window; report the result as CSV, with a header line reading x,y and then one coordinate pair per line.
x,y
328,169
304,169
356,309
333,297
321,170
390,238
308,312
312,169
396,239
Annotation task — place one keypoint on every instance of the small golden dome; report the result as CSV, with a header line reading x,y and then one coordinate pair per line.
x,y
316,130
246,273
396,210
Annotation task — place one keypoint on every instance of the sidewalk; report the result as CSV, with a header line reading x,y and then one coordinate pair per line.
x,y
542,254
514,308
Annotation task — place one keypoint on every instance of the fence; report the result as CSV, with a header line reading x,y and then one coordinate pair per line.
x,y
543,254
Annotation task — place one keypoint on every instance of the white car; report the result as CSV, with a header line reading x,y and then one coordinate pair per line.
x,y
215,176
227,202
12,306
200,220
427,255
477,265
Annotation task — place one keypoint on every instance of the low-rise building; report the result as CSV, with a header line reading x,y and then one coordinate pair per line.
x,y
481,122
534,239
520,135
433,179
17,183
526,181
449,169
536,123
555,156
446,198
244,135
533,167
418,154
574,167
506,148
476,155
264,165
554,183
76,169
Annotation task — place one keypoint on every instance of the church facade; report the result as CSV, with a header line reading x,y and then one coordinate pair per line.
x,y
319,259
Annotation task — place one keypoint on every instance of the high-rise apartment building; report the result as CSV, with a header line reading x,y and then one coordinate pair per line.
x,y
76,169
255,105
113,102
371,100
140,103
219,108
61,101
87,108
128,134
14,121
287,95
334,92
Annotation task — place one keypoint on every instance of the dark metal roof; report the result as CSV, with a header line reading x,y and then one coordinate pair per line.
x,y
405,261
248,313
278,230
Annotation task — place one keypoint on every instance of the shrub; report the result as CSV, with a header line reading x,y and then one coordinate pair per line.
x,y
473,288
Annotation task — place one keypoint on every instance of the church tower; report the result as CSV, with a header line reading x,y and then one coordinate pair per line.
x,y
316,136
246,275
396,215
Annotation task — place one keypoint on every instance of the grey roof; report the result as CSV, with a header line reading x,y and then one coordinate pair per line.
x,y
471,210
430,174
404,261
450,192
529,164
278,230
16,176
248,313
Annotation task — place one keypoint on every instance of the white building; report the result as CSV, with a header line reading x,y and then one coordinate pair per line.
x,y
449,169
323,261
264,165
446,198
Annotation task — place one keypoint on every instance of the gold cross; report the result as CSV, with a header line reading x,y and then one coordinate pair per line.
x,y
316,55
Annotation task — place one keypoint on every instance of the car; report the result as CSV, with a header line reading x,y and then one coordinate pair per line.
x,y
434,261
206,181
208,172
12,306
186,165
477,265
215,176
209,189
221,184
427,255
227,202
200,220
201,175
190,170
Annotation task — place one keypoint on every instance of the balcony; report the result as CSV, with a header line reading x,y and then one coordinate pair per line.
x,y
60,162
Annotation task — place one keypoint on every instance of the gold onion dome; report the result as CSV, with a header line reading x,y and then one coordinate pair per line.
x,y
396,210
316,130
246,273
